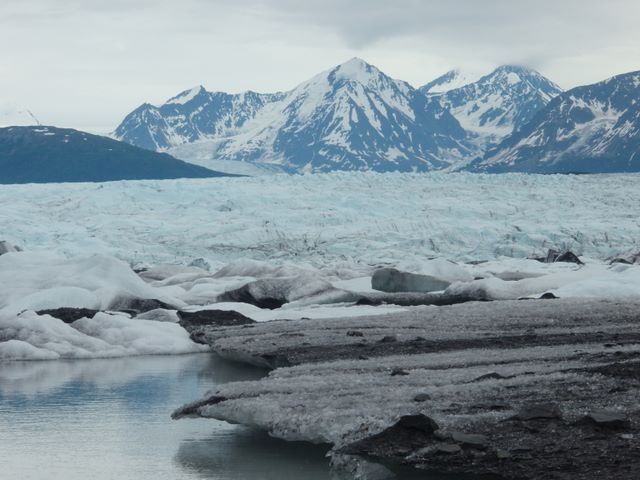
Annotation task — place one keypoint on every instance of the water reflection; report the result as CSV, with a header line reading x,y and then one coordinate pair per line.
x,y
38,378
270,458
105,419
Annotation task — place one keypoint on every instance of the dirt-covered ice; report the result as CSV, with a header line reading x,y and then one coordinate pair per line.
x,y
512,386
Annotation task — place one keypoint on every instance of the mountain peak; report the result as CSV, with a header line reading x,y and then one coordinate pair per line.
x,y
515,74
449,81
355,69
187,95
355,63
514,69
496,104
589,129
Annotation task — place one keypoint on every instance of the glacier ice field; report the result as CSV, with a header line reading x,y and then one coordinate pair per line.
x,y
324,234
328,220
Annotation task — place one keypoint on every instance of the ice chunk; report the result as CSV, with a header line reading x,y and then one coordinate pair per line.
x,y
40,281
35,337
393,281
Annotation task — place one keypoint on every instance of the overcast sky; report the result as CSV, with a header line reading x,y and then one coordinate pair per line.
x,y
87,63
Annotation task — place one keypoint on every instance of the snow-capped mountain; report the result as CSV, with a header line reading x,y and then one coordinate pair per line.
x,y
190,116
352,117
595,128
43,154
495,105
449,81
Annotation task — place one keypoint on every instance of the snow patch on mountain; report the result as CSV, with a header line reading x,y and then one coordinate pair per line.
x,y
595,128
346,118
187,95
497,104
451,80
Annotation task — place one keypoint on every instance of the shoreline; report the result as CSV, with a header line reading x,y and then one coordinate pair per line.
x,y
474,370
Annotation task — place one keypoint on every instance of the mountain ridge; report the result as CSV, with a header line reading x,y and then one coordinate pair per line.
x,y
499,103
351,117
44,154
588,129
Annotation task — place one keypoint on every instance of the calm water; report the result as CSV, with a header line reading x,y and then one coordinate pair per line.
x,y
110,419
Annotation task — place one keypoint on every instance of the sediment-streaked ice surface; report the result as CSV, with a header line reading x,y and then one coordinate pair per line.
x,y
473,356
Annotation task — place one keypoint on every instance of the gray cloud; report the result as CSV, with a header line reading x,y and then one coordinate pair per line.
x,y
85,63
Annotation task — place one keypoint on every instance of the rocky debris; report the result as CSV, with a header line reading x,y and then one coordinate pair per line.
x,y
553,450
551,371
412,299
568,257
408,434
548,296
196,322
69,315
372,302
272,293
628,259
503,325
135,306
536,411
388,339
554,256
608,419
355,333
419,422
213,318
544,296
191,410
503,454
469,439
395,281
6,247
422,397
490,376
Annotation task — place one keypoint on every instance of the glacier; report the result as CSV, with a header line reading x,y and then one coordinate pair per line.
x,y
184,243
337,220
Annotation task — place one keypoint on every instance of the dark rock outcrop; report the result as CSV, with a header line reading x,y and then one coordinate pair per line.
x,y
69,315
214,318
409,433
272,293
554,256
6,247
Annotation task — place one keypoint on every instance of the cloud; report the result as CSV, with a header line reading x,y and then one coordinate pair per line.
x,y
86,63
